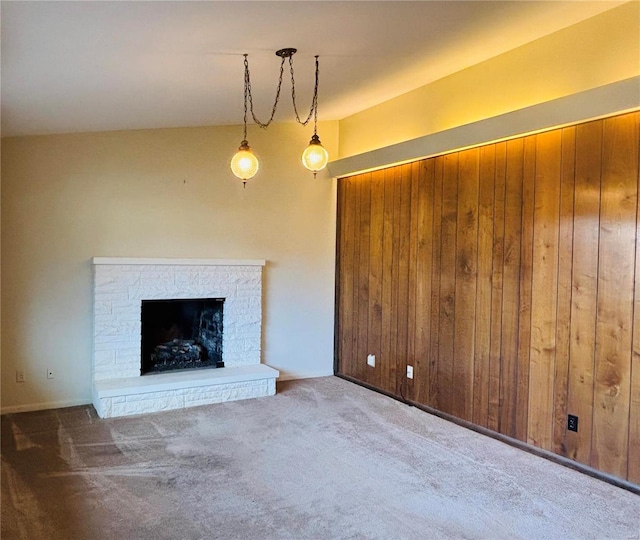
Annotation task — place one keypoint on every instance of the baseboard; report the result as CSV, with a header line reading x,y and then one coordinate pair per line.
x,y
292,376
284,376
546,454
44,406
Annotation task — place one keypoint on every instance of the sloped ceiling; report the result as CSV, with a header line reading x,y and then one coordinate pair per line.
x,y
93,66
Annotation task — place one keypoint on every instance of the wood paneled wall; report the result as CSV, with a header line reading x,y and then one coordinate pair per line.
x,y
508,276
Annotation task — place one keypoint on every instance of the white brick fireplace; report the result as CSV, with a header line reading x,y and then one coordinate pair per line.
x,y
120,286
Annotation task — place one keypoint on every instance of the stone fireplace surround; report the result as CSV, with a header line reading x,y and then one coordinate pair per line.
x,y
120,285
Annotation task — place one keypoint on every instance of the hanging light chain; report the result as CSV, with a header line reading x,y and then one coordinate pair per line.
x,y
315,102
247,86
246,92
313,110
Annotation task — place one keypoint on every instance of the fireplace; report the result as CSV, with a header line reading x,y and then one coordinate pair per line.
x,y
181,334
198,313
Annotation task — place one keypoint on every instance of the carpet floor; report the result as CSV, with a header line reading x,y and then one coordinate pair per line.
x,y
322,459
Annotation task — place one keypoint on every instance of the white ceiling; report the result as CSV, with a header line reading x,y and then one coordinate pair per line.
x,y
92,66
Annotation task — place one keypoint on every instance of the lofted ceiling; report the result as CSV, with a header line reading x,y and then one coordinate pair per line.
x,y
96,65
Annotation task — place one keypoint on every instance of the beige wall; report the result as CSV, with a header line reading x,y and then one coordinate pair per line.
x,y
596,52
157,193
169,193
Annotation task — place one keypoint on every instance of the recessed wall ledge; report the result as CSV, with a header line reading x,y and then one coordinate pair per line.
x,y
614,98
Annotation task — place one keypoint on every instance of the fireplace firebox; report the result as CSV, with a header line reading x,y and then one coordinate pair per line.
x,y
181,334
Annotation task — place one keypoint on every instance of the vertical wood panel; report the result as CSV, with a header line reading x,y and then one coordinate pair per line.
x,y
355,194
424,254
511,286
495,356
387,354
448,281
509,277
403,277
487,171
364,194
395,345
376,235
615,295
345,273
526,271
414,176
465,287
634,412
544,289
565,261
434,364
586,234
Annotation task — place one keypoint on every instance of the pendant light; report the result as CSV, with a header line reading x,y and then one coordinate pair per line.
x,y
244,163
315,157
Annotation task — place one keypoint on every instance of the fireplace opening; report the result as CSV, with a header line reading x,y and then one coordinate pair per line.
x,y
181,334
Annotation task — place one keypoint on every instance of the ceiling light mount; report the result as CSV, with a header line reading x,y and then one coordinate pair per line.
x,y
315,158
286,53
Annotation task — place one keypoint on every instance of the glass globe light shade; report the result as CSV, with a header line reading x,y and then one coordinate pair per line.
x,y
315,157
244,163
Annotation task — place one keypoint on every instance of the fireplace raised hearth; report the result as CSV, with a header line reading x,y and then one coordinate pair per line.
x,y
217,322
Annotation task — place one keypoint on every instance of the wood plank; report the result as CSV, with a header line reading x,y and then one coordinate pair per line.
x,y
586,232
545,289
387,353
412,275
495,355
465,286
343,271
633,474
424,269
618,209
376,234
448,282
403,279
364,192
511,286
397,232
396,320
348,266
434,356
565,261
526,271
357,182
482,348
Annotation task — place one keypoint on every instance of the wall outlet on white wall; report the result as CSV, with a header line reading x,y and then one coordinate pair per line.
x,y
49,373
371,360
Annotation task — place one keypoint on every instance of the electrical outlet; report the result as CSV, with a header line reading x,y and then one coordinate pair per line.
x,y
19,375
572,423
371,360
409,372
50,373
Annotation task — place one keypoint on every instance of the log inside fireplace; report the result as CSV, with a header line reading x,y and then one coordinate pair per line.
x,y
181,334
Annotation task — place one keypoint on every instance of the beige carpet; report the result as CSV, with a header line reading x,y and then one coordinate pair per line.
x,y
324,458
